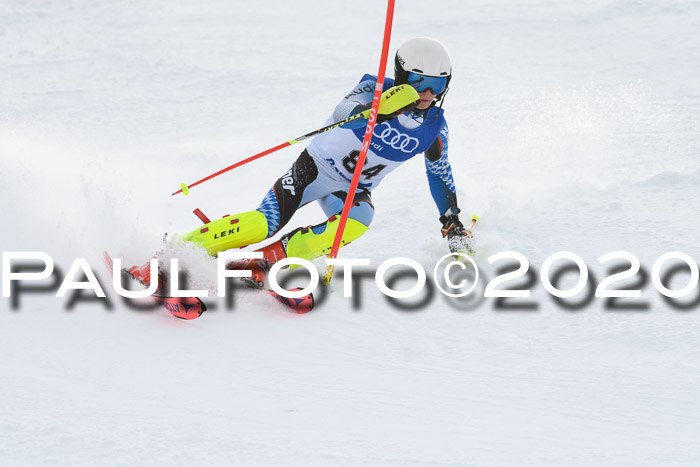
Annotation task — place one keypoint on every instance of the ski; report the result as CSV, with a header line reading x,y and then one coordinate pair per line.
x,y
299,305
193,307
179,307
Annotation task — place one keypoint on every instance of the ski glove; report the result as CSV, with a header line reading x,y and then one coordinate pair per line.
x,y
459,239
395,101
381,118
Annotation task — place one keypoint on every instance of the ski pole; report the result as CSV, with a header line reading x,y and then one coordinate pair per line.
x,y
369,131
185,189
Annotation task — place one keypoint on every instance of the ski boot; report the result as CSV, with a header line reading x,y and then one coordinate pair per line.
x,y
259,267
305,242
142,274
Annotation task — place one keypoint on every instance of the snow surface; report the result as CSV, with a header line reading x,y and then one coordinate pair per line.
x,y
574,126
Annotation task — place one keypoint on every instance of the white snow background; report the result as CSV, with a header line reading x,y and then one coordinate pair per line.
x,y
573,126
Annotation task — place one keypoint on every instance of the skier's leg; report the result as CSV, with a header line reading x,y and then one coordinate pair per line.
x,y
361,211
275,210
251,227
314,241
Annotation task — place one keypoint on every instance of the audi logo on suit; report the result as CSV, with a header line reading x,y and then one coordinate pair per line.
x,y
396,139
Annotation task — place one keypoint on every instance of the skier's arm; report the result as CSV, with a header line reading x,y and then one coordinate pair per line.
x,y
439,171
442,187
358,100
393,102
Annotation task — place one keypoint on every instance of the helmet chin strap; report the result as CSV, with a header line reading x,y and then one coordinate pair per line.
x,y
418,113
442,97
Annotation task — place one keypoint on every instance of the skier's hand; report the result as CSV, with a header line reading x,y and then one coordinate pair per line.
x,y
395,101
459,239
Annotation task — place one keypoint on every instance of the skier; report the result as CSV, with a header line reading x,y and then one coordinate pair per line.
x,y
325,168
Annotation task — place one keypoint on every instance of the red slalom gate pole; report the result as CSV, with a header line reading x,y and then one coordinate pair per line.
x,y
365,142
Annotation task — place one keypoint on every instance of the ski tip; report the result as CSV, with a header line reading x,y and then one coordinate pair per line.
x,y
107,261
304,304
299,305
182,307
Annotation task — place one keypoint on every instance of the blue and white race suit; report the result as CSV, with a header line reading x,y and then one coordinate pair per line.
x,y
324,170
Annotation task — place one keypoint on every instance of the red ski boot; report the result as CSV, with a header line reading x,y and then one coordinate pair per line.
x,y
259,267
143,275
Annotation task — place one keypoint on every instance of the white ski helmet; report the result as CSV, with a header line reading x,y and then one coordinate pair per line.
x,y
423,56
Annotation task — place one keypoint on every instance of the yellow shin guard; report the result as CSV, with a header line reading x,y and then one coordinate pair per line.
x,y
230,232
306,244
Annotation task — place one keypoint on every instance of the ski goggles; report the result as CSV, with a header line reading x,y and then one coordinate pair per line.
x,y
421,83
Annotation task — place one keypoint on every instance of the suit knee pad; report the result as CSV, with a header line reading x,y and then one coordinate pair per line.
x,y
362,212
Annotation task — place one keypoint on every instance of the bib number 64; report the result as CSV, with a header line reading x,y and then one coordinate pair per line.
x,y
350,162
